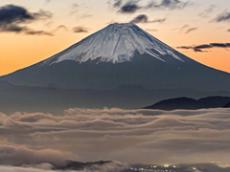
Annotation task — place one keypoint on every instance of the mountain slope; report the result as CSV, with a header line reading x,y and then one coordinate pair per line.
x,y
121,62
121,55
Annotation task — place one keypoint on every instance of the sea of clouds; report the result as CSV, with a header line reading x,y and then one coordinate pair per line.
x,y
37,142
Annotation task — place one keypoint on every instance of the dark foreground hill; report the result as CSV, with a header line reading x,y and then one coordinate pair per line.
x,y
227,105
190,103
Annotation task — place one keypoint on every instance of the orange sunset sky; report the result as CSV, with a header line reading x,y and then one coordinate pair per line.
x,y
53,25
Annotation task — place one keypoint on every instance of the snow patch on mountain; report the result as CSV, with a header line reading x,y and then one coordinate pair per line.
x,y
116,43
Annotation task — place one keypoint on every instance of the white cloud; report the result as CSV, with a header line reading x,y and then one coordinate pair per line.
x,y
21,169
180,136
20,155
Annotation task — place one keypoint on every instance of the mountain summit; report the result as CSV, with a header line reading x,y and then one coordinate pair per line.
x,y
116,43
120,65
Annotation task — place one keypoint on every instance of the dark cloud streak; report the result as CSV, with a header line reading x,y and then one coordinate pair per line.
x,y
80,29
13,19
133,6
167,4
142,18
192,29
130,7
202,47
225,17
208,11
117,3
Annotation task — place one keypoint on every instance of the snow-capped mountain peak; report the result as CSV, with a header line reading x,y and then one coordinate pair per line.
x,y
118,66
116,43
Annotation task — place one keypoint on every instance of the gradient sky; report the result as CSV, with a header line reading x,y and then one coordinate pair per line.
x,y
200,22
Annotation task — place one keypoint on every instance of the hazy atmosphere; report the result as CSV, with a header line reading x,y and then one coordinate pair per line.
x,y
114,86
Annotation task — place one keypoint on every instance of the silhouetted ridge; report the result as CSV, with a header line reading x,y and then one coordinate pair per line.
x,y
80,166
227,105
189,103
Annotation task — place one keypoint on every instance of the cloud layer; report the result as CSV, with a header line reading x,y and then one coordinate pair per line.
x,y
125,135
19,155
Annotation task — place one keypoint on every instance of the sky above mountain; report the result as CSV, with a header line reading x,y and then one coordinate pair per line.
x,y
32,30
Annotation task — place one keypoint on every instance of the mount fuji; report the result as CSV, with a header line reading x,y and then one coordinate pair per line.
x,y
120,65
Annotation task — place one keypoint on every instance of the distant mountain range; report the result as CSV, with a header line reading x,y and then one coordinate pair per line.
x,y
189,103
118,66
